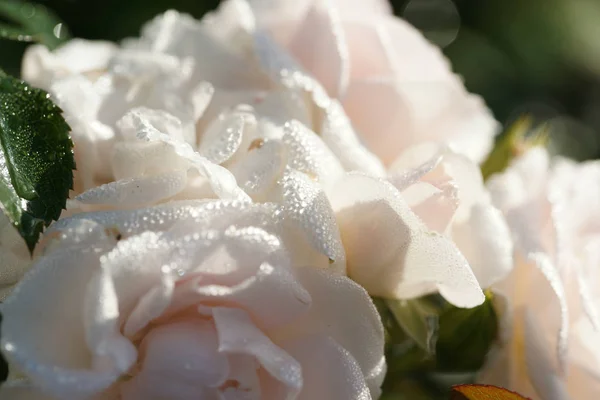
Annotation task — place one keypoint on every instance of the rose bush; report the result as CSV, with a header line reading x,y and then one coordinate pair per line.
x,y
187,301
549,347
223,198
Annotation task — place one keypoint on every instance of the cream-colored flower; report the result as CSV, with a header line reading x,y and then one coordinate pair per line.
x,y
187,301
550,346
266,131
397,88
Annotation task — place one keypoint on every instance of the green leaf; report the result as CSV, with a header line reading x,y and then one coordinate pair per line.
x,y
30,22
36,158
517,139
419,319
462,338
465,337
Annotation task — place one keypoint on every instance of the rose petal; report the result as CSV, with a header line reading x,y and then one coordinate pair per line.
x,y
135,192
329,121
184,354
308,153
329,371
238,335
358,327
224,136
292,299
485,241
40,66
390,252
305,203
320,46
544,378
49,344
260,169
102,330
222,181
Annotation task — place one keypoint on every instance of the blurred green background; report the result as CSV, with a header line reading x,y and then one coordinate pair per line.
x,y
540,57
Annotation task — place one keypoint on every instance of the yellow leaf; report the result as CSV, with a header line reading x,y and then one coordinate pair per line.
x,y
483,392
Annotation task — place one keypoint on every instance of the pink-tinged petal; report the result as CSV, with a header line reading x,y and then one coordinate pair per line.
x,y
390,251
417,60
329,119
258,172
236,269
329,371
381,115
358,327
434,206
583,383
439,166
49,344
102,328
305,203
466,176
338,133
367,50
229,257
485,241
584,352
221,180
523,181
320,46
223,137
139,266
150,307
543,372
292,299
551,297
179,360
586,277
308,153
411,166
238,335
136,192
453,115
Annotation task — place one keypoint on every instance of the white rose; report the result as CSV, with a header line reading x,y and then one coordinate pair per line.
x,y
290,144
550,346
397,88
186,301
